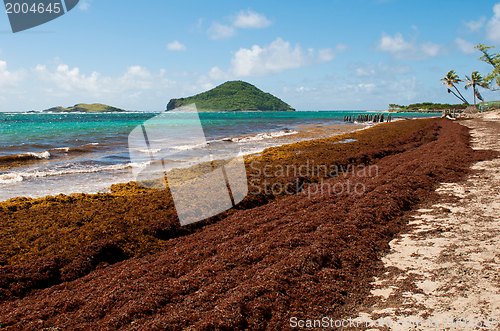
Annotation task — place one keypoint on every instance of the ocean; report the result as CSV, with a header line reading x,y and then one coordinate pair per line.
x,y
47,153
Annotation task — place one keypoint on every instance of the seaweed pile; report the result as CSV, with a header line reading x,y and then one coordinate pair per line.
x,y
272,258
139,220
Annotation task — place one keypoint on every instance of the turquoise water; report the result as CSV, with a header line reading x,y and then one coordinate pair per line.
x,y
43,153
38,132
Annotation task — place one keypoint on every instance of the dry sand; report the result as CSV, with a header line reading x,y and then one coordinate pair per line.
x,y
443,274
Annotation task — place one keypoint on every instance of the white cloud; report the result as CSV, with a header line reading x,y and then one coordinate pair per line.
x,y
341,47
71,80
176,46
204,82
464,46
221,31
250,19
493,26
9,79
394,44
475,25
200,23
363,72
366,87
430,49
326,55
135,95
275,58
243,20
216,74
407,50
84,4
381,70
304,89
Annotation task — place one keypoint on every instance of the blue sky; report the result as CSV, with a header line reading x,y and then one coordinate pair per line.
x,y
323,55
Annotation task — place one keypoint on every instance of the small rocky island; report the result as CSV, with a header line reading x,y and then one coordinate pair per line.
x,y
85,108
233,96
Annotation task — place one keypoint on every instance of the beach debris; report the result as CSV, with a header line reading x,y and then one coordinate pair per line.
x,y
374,118
321,249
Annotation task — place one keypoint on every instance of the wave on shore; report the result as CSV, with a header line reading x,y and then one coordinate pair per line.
x,y
14,177
262,136
30,156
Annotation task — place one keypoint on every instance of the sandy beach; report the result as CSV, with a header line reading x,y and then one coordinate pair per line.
x,y
121,261
443,272
260,166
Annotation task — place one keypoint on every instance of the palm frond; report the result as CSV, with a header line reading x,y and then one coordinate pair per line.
x,y
478,95
483,85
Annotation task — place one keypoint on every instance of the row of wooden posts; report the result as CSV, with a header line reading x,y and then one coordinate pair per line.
x,y
450,113
375,118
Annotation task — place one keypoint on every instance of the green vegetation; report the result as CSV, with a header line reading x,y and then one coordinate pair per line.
x,y
494,61
475,81
85,108
233,96
426,107
490,105
450,80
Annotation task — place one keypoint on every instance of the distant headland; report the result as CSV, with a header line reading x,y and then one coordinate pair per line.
x,y
427,107
233,96
84,108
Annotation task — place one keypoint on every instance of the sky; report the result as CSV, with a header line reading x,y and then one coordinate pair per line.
x,y
315,55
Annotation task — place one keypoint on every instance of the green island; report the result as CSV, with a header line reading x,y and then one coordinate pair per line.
x,y
233,96
85,108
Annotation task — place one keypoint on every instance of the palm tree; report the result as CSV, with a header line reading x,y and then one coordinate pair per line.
x,y
450,80
476,80
493,60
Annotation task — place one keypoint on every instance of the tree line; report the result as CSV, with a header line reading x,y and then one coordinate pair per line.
x,y
428,106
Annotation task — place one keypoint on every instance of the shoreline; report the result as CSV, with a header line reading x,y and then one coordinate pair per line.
x,y
278,243
269,139
308,132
